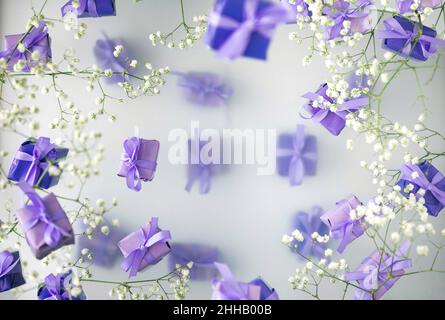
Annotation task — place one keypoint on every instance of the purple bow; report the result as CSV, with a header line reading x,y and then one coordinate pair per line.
x,y
7,264
84,5
134,259
394,30
231,289
296,165
423,182
55,289
202,173
260,21
38,210
130,159
38,158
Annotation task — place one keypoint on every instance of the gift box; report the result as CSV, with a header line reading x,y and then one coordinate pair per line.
x,y
32,160
57,287
138,161
399,36
91,8
104,53
404,6
424,176
44,223
10,271
144,247
296,156
334,122
341,225
202,256
37,40
377,274
228,288
244,27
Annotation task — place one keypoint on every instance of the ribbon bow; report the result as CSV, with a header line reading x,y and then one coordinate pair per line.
x,y
423,182
296,164
53,232
56,289
233,289
147,239
201,172
130,159
7,264
84,6
394,30
262,21
38,159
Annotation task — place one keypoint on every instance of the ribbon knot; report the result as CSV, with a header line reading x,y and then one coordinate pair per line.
x,y
7,263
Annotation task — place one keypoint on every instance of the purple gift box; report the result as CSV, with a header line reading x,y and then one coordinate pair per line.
x,y
400,35
91,8
32,159
296,156
37,40
341,225
244,27
377,274
44,223
430,180
144,247
138,161
10,271
56,287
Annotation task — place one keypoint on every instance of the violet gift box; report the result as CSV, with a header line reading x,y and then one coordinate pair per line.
x,y
13,278
103,8
396,45
19,168
433,205
216,37
148,150
35,236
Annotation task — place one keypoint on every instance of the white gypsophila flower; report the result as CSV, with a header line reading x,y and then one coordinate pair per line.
x,y
422,250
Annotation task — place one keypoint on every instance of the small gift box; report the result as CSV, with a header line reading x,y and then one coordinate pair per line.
x,y
402,36
333,121
244,27
202,256
104,53
342,224
296,156
138,161
44,223
377,274
37,40
90,8
228,288
58,287
10,271
144,247
426,177
32,160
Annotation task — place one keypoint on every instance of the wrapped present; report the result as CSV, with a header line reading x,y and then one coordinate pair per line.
x,y
244,27
204,88
57,287
202,256
426,177
377,274
36,40
357,14
402,36
307,224
32,160
296,156
342,225
138,161
333,121
104,53
44,223
404,6
228,288
90,8
144,247
10,271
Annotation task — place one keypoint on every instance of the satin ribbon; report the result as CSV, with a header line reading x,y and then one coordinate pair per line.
x,y
233,289
55,288
7,264
423,182
53,232
38,159
130,159
88,6
148,239
394,30
204,174
296,164
260,21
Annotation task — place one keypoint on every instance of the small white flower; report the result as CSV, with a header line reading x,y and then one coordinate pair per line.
x,y
422,250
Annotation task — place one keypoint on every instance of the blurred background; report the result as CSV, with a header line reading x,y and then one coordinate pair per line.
x,y
244,215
